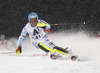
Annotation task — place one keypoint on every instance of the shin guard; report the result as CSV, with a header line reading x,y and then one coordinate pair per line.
x,y
61,50
56,49
45,48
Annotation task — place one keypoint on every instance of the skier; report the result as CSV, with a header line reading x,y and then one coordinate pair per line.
x,y
38,38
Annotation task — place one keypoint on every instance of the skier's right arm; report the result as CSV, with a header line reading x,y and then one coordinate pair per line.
x,y
20,40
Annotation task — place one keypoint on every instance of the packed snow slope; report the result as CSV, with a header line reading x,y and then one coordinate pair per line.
x,y
87,48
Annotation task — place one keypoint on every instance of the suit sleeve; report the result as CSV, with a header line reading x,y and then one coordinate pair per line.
x,y
22,36
45,25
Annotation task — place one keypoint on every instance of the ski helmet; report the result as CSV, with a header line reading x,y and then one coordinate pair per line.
x,y
32,15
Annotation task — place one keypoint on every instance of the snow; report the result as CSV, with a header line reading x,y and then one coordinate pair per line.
x,y
87,48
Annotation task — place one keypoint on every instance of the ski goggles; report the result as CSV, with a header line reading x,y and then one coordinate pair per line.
x,y
33,20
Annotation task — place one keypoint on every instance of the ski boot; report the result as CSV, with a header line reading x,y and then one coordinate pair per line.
x,y
75,58
55,56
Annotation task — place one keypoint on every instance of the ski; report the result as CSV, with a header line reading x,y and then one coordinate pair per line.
x,y
39,55
70,56
60,57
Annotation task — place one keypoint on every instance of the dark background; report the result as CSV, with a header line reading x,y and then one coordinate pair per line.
x,y
14,13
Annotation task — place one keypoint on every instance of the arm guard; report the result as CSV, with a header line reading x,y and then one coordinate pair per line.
x,y
43,24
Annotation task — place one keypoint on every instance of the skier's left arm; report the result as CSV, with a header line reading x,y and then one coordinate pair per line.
x,y
43,24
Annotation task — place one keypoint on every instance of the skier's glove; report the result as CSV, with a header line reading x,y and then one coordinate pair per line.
x,y
18,50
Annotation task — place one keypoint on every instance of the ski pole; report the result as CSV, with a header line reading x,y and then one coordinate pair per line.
x,y
69,23
7,52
